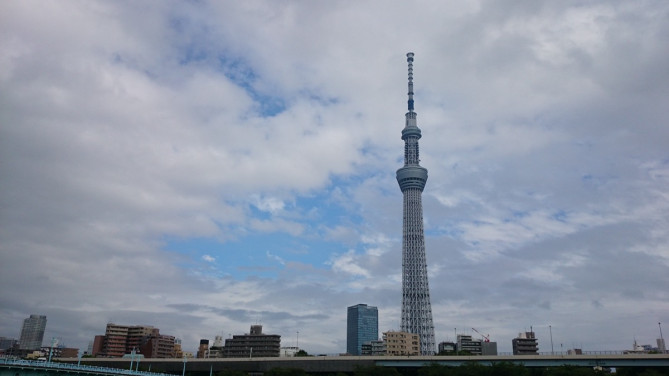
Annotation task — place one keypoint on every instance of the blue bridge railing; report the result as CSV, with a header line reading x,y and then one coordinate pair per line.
x,y
9,362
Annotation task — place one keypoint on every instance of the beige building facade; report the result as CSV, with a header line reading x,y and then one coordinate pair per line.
x,y
401,343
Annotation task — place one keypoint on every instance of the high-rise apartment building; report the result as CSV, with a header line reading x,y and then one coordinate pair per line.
x,y
158,346
362,326
32,332
115,341
123,339
138,335
416,308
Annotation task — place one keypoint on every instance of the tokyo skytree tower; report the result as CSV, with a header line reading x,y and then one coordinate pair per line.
x,y
416,308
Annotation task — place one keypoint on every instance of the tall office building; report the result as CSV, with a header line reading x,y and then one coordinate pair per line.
x,y
362,326
32,332
416,308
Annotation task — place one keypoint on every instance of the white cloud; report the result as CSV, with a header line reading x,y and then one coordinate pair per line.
x,y
268,204
348,263
276,258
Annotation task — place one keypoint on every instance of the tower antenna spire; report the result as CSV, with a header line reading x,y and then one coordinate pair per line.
x,y
410,93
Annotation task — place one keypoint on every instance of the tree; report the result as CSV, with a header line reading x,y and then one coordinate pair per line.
x,y
653,372
229,372
567,370
508,369
471,369
376,371
435,369
286,372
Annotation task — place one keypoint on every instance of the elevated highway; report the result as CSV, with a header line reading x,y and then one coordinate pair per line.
x,y
334,364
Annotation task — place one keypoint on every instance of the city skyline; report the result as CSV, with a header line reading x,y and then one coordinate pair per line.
x,y
202,166
362,327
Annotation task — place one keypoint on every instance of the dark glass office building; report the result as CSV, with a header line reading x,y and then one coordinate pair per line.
x,y
362,326
32,332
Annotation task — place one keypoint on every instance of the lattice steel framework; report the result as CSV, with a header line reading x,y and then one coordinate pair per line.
x,y
416,308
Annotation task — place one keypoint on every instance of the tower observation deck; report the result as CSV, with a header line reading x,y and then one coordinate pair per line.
x,y
416,308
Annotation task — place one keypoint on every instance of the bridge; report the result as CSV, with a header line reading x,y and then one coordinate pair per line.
x,y
20,367
348,364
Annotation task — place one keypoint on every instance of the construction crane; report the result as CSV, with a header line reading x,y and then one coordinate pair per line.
x,y
485,337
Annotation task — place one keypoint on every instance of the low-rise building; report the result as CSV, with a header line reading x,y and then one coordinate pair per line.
x,y
254,344
60,352
489,348
401,343
178,351
374,348
289,351
525,344
203,349
447,348
216,349
8,343
468,345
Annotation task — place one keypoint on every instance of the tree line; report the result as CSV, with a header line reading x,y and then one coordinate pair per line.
x,y
470,369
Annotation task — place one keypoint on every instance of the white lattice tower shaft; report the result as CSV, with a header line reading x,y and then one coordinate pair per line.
x,y
416,308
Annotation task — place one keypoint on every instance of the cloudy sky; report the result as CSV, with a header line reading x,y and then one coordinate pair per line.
x,y
203,166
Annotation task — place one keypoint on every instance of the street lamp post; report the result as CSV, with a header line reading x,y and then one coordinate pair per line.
x,y
551,331
455,341
662,338
132,357
53,343
183,373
